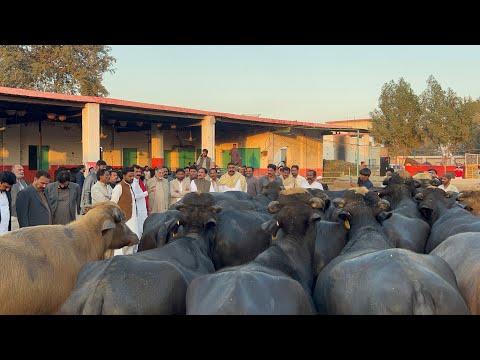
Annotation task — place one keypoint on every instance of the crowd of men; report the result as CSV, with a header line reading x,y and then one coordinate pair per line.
x,y
139,191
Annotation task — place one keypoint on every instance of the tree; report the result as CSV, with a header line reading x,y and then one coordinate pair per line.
x,y
68,69
447,119
396,124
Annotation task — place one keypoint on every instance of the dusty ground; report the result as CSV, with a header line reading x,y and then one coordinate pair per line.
x,y
344,182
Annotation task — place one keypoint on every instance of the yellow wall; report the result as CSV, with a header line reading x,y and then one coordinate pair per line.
x,y
64,140
302,151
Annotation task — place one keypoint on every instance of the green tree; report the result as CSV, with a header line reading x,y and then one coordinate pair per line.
x,y
68,69
396,124
447,119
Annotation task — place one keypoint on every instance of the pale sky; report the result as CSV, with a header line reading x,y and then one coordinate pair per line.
x,y
314,83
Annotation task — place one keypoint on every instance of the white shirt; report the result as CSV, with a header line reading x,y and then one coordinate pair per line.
x,y
314,185
132,223
193,187
5,211
238,187
140,196
450,187
101,192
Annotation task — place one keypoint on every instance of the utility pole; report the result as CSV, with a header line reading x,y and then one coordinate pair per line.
x,y
358,150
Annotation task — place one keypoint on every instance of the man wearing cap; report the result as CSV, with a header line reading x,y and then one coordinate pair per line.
x,y
446,185
319,180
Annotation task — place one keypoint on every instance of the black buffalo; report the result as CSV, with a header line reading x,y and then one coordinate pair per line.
x,y
153,281
280,279
370,276
445,217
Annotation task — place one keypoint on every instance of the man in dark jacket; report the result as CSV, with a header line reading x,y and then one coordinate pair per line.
x,y
64,198
80,177
33,204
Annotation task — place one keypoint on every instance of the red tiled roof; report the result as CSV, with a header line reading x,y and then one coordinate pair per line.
x,y
140,105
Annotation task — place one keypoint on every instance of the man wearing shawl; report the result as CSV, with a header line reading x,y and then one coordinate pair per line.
x,y
232,180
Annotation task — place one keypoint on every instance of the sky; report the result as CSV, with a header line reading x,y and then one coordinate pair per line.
x,y
314,83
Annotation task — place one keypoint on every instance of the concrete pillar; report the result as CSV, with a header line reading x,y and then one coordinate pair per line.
x,y
208,135
90,134
157,147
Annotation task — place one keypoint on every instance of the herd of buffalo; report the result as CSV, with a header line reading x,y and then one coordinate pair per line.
x,y
406,248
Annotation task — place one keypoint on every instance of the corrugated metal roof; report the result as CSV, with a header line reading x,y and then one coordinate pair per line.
x,y
174,109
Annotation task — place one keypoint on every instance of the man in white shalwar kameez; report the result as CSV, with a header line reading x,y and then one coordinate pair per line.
x,y
141,199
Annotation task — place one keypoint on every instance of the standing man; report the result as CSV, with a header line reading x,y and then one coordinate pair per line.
x,y
33,204
159,198
87,186
310,182
80,176
235,156
141,198
19,186
179,186
204,160
102,190
124,197
114,178
200,184
253,183
232,180
64,197
214,178
7,181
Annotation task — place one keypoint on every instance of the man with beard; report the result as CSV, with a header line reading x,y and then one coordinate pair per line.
x,y
200,184
141,198
159,199
179,186
232,180
125,198
214,178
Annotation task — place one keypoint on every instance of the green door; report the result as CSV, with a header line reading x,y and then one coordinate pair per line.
x,y
250,157
186,155
166,158
45,165
129,156
225,158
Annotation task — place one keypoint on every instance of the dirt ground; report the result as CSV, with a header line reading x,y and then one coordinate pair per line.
x,y
344,182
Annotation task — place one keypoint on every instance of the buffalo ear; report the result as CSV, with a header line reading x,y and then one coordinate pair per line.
x,y
344,215
315,217
417,183
107,225
384,215
271,227
172,225
448,194
117,214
